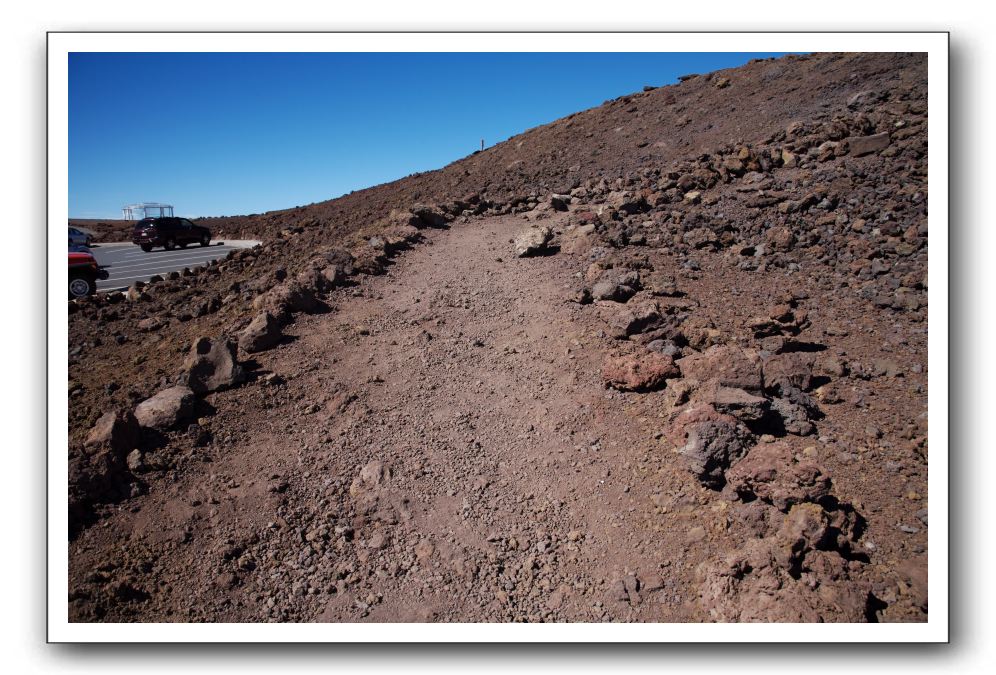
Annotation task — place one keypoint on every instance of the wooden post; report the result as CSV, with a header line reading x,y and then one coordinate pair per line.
x,y
482,145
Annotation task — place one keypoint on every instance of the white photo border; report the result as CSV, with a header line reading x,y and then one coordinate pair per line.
x,y
61,44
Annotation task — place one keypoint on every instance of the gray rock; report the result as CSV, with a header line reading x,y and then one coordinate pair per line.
x,y
863,98
609,290
665,347
729,365
261,334
166,409
211,366
866,145
136,460
794,417
115,432
710,442
738,403
532,240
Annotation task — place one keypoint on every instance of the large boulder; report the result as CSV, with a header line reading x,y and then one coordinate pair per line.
x,y
290,296
338,256
370,256
627,202
771,472
789,370
533,240
794,417
399,237
115,432
728,365
430,215
166,409
780,238
638,372
211,366
262,333
98,473
635,320
710,442
741,404
660,283
794,576
617,285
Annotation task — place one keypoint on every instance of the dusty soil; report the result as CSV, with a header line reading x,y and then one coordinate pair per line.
x,y
450,432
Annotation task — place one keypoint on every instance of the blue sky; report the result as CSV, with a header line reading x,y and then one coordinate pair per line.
x,y
228,134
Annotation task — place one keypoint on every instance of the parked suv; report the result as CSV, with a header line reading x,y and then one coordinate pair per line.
x,y
169,233
83,274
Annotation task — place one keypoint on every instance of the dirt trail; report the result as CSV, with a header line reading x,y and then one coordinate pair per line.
x,y
462,394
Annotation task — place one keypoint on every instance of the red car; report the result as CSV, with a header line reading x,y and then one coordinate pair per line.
x,y
83,274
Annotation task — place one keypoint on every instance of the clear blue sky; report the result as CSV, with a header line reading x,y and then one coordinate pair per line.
x,y
228,134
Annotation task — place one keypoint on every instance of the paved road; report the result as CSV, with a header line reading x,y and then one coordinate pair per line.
x,y
128,263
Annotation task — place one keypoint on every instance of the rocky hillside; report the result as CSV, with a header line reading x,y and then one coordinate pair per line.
x,y
718,292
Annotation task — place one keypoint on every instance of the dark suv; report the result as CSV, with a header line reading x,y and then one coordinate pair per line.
x,y
169,233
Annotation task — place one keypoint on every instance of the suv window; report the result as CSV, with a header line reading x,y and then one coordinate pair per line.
x,y
186,224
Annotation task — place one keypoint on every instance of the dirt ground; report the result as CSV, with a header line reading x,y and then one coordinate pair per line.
x,y
441,447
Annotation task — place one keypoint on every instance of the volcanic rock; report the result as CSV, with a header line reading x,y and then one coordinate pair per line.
x,y
211,365
115,432
866,145
166,409
771,472
99,473
728,365
638,372
710,442
738,403
533,240
262,333
785,578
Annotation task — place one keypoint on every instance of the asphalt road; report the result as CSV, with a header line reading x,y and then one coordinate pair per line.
x,y
128,263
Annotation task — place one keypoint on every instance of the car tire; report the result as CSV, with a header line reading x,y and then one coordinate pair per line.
x,y
81,286
206,240
146,247
170,244
183,244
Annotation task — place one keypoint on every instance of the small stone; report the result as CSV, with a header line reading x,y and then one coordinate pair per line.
x,y
695,534
136,460
532,241
424,550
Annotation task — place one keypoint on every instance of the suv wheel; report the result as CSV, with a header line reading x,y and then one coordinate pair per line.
x,y
80,287
205,240
170,244
146,247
